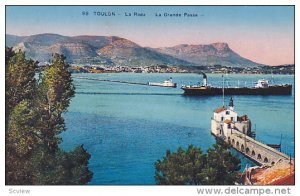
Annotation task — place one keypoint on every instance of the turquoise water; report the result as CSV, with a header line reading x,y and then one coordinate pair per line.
x,y
126,128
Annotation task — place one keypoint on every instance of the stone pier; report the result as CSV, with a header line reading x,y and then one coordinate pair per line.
x,y
251,148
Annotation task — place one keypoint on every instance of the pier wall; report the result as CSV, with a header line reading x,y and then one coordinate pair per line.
x,y
253,149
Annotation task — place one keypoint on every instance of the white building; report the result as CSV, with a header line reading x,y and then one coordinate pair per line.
x,y
225,119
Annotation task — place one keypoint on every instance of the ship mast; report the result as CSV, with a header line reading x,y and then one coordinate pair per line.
x,y
223,92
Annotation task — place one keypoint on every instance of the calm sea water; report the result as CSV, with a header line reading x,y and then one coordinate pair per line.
x,y
126,128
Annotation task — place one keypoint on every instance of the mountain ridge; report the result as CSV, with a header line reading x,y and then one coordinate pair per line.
x,y
114,50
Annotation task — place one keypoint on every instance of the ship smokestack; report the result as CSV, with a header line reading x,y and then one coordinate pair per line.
x,y
204,79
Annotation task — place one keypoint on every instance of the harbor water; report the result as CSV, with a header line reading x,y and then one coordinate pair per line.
x,y
126,128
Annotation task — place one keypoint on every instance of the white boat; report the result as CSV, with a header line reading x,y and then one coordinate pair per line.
x,y
166,83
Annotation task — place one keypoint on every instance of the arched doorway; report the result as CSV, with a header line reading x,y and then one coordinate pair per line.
x,y
242,148
259,156
247,151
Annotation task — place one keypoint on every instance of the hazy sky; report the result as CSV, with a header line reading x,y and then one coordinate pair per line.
x,y
264,34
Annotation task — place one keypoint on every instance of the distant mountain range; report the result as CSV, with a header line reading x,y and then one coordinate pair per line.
x,y
113,50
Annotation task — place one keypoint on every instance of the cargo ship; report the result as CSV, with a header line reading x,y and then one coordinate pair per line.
x,y
262,87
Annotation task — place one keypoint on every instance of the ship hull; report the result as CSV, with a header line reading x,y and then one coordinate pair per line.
x,y
211,91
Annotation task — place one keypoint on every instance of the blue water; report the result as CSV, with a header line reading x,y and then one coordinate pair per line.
x,y
126,128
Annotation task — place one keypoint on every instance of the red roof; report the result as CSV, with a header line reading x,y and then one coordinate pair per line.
x,y
287,180
219,110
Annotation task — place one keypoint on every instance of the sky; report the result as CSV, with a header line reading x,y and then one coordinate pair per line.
x,y
264,34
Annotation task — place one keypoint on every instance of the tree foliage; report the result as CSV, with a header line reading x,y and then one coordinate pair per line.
x,y
54,93
34,109
60,167
222,167
19,79
192,167
181,167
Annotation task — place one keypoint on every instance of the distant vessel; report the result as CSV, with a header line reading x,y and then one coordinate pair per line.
x,y
166,83
262,87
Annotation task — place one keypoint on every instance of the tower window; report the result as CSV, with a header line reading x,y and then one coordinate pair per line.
x,y
227,112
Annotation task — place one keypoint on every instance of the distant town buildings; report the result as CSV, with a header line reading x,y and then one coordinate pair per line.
x,y
139,69
217,69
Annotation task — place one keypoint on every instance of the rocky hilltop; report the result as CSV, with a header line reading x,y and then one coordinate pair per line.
x,y
210,54
113,50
